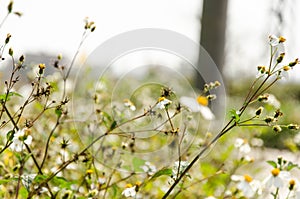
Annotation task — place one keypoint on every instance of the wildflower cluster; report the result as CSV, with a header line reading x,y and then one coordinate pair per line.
x,y
140,146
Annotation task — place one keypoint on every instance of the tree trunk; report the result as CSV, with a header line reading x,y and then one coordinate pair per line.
x,y
213,27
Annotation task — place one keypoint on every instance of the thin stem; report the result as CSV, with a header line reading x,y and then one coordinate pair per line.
x,y
4,19
169,119
198,156
84,36
48,141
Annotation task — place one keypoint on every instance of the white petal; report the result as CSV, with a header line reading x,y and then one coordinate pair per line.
x,y
191,103
206,113
28,140
278,182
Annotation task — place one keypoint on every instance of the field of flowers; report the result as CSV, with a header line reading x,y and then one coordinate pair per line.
x,y
67,135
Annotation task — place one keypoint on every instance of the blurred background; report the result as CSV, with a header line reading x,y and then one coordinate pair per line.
x,y
235,33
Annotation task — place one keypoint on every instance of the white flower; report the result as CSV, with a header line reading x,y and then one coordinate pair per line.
x,y
129,191
179,167
149,168
247,185
27,180
162,102
19,139
129,104
277,42
102,180
277,178
242,145
197,105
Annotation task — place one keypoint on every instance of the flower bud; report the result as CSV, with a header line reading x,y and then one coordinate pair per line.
x,y
11,52
278,113
292,184
10,6
286,68
293,126
277,128
291,64
41,68
269,119
21,59
8,36
261,69
259,111
280,58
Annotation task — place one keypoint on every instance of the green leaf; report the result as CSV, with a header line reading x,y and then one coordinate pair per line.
x,y
106,115
162,172
62,182
16,94
113,125
127,168
58,112
272,163
10,135
4,181
8,96
234,115
114,190
291,165
137,164
40,178
23,192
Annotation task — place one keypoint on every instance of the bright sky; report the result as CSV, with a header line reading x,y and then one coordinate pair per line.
x,y
56,26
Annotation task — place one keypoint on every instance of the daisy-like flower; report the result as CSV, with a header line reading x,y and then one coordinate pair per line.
x,y
129,104
179,167
129,191
247,185
277,178
277,42
19,140
27,180
163,102
149,168
242,145
198,105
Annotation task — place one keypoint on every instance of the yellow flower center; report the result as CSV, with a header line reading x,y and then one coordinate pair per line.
x,y
248,178
275,172
161,99
138,183
292,182
202,100
282,39
286,68
42,66
89,171
128,185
